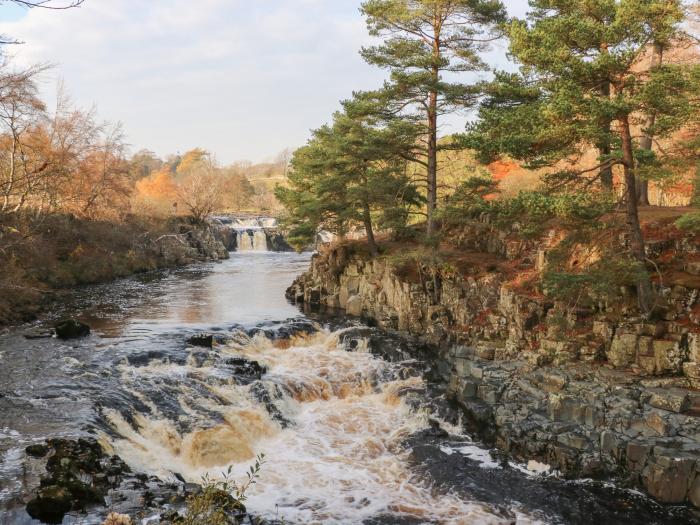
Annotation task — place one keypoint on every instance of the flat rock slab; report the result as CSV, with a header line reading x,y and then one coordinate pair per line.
x,y
673,399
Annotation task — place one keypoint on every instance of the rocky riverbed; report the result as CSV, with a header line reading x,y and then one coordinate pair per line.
x,y
193,371
603,396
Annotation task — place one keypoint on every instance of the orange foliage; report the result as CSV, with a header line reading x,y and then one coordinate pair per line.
x,y
158,185
501,169
191,159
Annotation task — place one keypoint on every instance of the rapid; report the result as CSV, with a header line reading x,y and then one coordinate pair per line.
x,y
353,429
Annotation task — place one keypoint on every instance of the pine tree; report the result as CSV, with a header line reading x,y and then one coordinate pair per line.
x,y
664,33
427,41
349,173
553,109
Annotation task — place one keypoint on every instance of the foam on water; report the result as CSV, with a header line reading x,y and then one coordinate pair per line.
x,y
342,459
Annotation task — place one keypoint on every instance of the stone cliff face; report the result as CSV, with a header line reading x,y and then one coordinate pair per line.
x,y
606,395
192,243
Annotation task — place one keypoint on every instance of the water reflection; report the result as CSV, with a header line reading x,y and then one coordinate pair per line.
x,y
56,388
245,290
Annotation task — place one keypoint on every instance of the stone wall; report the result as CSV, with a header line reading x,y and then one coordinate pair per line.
x,y
607,395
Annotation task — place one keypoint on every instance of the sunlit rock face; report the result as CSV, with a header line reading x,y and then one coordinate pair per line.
x,y
616,398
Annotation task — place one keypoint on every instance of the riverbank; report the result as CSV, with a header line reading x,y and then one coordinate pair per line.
x,y
591,390
353,420
63,252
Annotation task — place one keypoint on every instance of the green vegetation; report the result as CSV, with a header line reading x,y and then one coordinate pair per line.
x,y
528,211
579,87
689,222
602,282
221,500
352,172
427,43
596,97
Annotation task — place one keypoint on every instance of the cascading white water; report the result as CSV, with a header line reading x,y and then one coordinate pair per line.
x,y
342,458
250,233
251,240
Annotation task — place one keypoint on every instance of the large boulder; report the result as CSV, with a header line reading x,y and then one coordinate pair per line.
x,y
78,475
668,478
71,329
623,350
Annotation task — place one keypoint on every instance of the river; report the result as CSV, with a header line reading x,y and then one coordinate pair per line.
x,y
352,428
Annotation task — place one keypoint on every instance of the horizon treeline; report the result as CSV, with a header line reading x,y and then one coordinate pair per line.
x,y
69,161
604,102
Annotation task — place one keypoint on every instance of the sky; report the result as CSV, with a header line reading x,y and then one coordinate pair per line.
x,y
244,79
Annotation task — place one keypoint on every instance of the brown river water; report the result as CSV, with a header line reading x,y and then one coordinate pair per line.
x,y
345,415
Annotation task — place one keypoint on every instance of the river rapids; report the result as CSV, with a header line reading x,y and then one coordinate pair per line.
x,y
352,427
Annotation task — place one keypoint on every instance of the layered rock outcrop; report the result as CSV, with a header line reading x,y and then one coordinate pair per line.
x,y
198,242
590,393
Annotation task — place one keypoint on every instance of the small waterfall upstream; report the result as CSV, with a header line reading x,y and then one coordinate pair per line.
x,y
353,428
251,240
251,232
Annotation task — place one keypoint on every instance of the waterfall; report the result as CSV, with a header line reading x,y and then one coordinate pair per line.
x,y
332,419
251,232
251,240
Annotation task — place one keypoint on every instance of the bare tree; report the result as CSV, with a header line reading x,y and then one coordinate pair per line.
x,y
200,188
20,112
45,4
54,5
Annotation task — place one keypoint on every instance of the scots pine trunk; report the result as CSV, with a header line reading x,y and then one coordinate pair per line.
x,y
646,142
604,149
432,131
432,163
636,239
367,220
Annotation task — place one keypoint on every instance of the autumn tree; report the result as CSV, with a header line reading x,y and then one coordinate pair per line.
x,y
88,174
190,159
143,163
102,180
21,111
428,45
199,186
237,189
552,110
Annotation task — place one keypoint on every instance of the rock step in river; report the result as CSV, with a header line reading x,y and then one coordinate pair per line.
x,y
352,427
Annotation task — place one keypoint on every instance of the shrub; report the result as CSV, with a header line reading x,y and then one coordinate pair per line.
x,y
117,519
469,200
689,222
601,282
540,206
220,500
529,211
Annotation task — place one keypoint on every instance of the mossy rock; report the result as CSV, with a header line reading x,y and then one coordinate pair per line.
x,y
37,451
51,504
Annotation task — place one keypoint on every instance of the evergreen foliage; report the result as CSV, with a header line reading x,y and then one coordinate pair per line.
x,y
428,47
352,172
578,86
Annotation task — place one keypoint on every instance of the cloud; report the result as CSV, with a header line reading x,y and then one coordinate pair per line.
x,y
242,78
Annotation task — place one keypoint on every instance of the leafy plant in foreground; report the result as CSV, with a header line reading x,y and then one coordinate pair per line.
x,y
220,501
